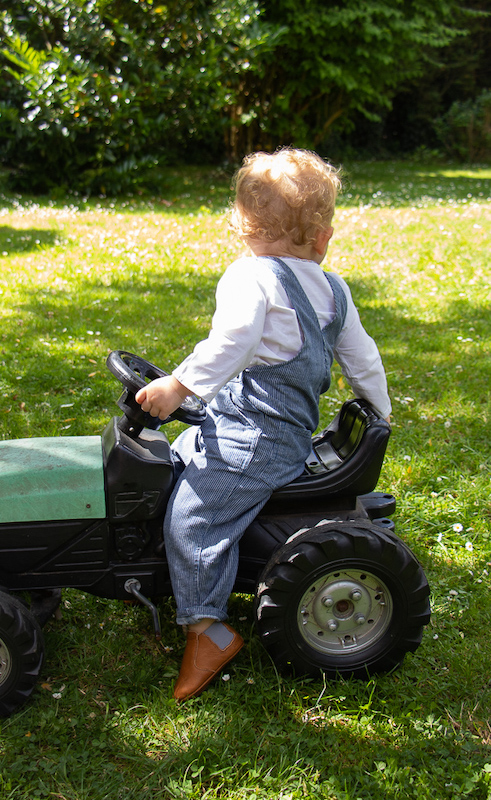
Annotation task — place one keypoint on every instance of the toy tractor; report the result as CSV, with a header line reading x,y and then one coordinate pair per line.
x,y
335,589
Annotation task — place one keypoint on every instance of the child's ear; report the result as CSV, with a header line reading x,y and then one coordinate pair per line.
x,y
322,240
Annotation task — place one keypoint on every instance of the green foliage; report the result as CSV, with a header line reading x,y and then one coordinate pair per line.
x,y
458,72
99,96
118,88
465,130
334,60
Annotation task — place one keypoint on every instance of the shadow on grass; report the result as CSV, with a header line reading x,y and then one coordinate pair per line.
x,y
178,308
25,240
413,342
417,732
193,189
171,310
400,183
54,347
430,360
52,332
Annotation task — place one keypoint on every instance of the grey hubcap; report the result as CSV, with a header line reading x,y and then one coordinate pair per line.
x,y
344,611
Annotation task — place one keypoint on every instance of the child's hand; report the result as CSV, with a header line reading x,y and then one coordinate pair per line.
x,y
162,396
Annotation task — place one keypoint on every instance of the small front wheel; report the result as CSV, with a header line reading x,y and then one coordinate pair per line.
x,y
21,653
346,598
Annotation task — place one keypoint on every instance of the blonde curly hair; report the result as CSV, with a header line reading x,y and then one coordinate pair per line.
x,y
289,194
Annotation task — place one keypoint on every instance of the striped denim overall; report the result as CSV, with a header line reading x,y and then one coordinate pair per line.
x,y
256,437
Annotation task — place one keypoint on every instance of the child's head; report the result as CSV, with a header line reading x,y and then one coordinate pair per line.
x,y
288,195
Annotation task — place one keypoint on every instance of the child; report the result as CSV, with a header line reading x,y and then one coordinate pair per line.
x,y
279,322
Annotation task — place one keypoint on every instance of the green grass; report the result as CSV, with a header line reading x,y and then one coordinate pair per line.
x,y
82,277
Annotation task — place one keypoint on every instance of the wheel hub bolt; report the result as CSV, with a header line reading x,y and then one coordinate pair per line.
x,y
355,595
332,625
328,602
360,619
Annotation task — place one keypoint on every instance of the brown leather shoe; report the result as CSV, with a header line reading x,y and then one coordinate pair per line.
x,y
202,660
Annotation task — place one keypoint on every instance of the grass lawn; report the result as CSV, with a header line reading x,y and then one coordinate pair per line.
x,y
81,277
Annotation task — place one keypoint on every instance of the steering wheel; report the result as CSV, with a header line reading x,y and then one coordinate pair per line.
x,y
134,373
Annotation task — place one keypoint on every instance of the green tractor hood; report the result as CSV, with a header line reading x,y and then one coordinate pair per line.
x,y
52,479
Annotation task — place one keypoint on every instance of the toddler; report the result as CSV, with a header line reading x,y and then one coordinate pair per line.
x,y
279,322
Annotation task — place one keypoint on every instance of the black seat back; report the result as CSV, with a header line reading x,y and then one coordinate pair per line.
x,y
345,462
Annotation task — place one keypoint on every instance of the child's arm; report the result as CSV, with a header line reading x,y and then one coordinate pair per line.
x,y
162,396
237,327
236,330
360,361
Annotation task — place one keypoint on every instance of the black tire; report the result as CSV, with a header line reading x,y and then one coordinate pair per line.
x,y
21,653
347,598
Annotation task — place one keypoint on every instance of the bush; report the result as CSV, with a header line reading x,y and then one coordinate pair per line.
x,y
465,130
78,127
117,89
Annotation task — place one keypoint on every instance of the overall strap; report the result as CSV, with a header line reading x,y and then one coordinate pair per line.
x,y
301,304
290,390
340,304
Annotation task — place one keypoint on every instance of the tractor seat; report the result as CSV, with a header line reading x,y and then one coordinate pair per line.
x,y
345,461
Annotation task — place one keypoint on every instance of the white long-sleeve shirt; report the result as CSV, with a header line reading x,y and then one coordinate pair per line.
x,y
254,323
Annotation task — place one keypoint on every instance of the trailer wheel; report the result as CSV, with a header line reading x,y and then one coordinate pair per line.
x,y
21,653
345,598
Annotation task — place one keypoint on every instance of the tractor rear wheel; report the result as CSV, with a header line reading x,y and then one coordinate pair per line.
x,y
344,598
